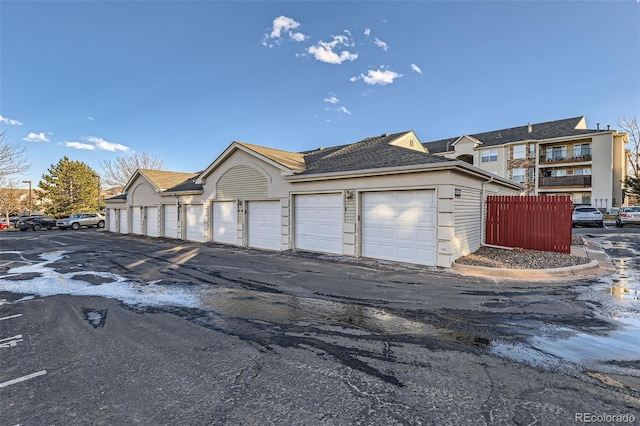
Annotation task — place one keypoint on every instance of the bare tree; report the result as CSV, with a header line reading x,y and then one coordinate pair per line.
x,y
119,171
11,198
630,127
12,160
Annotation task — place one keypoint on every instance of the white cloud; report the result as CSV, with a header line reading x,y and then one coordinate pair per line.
x,y
88,117
297,36
282,26
80,145
10,121
282,23
332,100
106,145
35,137
324,50
367,31
343,110
97,143
384,46
416,68
377,77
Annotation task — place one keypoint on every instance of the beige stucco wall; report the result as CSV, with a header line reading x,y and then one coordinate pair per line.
x,y
619,169
601,170
455,236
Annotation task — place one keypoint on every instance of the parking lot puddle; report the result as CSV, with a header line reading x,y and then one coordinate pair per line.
x,y
612,350
280,308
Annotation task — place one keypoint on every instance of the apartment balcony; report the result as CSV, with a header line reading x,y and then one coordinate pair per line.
x,y
565,158
564,181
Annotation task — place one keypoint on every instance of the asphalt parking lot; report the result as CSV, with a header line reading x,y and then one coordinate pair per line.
x,y
110,329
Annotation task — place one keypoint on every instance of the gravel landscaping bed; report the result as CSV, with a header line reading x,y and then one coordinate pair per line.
x,y
521,259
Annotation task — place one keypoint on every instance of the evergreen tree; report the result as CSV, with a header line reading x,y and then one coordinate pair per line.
x,y
632,185
69,187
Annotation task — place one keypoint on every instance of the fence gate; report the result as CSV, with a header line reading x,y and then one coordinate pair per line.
x,y
536,222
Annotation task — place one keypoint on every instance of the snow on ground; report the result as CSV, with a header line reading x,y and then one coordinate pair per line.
x,y
51,283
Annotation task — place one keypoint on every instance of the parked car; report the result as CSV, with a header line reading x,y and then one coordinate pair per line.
x,y
37,223
587,215
76,220
21,219
627,215
3,225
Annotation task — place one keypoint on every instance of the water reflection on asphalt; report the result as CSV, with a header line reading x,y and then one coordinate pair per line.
x,y
603,345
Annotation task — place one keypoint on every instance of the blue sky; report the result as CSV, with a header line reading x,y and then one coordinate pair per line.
x,y
182,80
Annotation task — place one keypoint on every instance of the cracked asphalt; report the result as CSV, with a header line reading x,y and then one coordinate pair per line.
x,y
118,329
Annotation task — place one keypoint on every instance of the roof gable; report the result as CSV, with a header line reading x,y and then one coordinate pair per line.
x,y
287,161
159,180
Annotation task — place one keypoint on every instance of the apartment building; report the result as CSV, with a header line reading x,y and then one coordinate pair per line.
x,y
561,157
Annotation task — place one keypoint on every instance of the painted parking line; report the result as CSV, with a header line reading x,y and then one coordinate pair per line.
x,y
23,378
11,341
10,316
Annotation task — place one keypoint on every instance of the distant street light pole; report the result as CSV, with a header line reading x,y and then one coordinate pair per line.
x,y
98,209
29,182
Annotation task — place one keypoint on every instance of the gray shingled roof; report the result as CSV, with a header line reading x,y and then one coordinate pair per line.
x,y
187,185
369,153
540,131
117,197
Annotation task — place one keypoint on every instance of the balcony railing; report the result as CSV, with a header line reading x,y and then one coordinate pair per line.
x,y
582,181
584,156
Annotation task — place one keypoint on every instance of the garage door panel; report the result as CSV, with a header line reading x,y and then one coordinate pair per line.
x,y
152,222
170,226
264,225
112,219
399,225
225,222
194,215
124,222
136,221
318,222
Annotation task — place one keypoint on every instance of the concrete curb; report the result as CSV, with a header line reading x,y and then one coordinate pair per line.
x,y
571,272
599,265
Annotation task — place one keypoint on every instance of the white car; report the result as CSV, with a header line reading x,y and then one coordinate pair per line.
x,y
76,220
628,215
587,215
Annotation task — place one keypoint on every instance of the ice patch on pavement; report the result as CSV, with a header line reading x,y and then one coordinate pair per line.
x,y
51,283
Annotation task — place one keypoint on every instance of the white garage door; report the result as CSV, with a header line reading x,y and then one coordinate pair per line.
x,y
194,215
400,226
124,221
152,222
136,220
170,221
264,224
318,222
112,219
225,222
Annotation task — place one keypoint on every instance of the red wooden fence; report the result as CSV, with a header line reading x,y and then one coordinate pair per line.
x,y
535,222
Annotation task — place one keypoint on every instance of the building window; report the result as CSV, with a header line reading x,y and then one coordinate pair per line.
x,y
558,173
489,155
519,151
532,151
582,151
519,175
556,153
585,171
532,174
